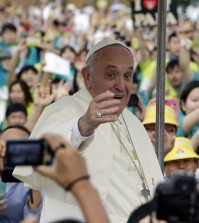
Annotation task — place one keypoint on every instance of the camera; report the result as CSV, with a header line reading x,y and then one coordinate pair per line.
x,y
27,152
133,101
177,199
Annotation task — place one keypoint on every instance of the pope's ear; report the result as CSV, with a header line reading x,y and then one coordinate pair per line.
x,y
87,77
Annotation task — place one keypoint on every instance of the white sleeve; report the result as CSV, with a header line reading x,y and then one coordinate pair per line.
x,y
76,138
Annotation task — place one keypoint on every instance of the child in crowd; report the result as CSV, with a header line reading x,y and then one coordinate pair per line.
x,y
181,157
188,117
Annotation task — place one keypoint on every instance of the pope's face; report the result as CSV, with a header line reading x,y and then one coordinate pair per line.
x,y
111,69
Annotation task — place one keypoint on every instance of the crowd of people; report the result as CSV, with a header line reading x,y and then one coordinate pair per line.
x,y
101,75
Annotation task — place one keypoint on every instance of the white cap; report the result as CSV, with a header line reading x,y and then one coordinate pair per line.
x,y
103,43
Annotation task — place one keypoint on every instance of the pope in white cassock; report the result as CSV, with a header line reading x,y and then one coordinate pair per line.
x,y
120,157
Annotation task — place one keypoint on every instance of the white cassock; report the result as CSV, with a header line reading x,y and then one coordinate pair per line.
x,y
114,173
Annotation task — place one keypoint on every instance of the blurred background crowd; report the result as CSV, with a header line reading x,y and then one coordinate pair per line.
x,y
33,34
43,46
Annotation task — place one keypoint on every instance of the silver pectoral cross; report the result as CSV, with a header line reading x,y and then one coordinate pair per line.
x,y
145,192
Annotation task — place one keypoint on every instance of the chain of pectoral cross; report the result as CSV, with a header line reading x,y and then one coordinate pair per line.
x,y
144,192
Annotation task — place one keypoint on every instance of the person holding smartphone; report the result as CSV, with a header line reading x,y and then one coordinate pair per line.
x,y
71,173
17,201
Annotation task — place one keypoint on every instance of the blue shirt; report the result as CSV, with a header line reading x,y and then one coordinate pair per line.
x,y
180,131
3,75
7,49
33,56
196,76
17,209
4,46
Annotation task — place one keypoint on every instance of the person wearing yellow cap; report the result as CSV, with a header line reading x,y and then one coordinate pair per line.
x,y
181,157
171,124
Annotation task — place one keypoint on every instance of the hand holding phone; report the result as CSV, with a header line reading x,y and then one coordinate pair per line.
x,y
25,152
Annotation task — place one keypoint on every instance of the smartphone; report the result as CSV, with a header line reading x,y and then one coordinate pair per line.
x,y
33,41
133,101
5,55
27,152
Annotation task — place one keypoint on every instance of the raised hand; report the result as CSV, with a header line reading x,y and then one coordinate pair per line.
x,y
22,46
102,109
69,163
61,90
42,95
